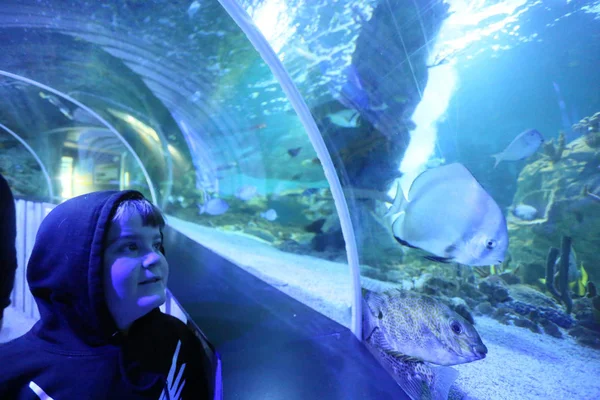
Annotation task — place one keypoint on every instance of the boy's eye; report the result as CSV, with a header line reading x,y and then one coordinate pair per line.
x,y
130,247
157,246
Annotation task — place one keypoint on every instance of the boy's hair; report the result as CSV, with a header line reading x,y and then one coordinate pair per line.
x,y
151,215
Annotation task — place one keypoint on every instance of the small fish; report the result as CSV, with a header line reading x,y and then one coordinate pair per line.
x,y
346,118
193,8
521,147
55,101
310,162
214,206
294,151
450,215
246,192
269,215
225,167
574,272
524,212
407,331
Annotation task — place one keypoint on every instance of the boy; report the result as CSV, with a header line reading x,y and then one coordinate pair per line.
x,y
98,274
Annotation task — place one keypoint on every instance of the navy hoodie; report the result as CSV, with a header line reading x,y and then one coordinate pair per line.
x,y
8,252
75,350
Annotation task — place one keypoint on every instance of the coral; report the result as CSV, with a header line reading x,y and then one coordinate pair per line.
x,y
556,316
589,127
592,139
555,152
563,294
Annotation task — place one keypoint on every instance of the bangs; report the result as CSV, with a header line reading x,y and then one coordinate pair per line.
x,y
151,215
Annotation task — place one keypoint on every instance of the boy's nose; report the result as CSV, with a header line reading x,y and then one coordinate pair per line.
x,y
150,259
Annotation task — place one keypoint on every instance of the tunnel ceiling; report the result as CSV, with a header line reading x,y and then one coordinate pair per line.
x,y
188,72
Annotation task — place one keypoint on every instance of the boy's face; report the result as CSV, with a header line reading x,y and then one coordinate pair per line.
x,y
135,271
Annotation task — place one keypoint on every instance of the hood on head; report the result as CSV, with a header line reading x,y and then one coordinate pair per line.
x,y
65,270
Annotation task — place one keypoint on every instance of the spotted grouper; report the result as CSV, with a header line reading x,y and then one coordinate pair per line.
x,y
407,332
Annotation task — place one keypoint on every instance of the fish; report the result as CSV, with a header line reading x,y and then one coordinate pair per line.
x,y
193,8
574,272
524,212
269,215
408,331
345,118
450,215
521,147
311,161
246,192
578,277
215,206
293,152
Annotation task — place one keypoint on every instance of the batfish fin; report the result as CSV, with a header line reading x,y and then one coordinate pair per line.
x,y
498,158
397,230
445,260
399,202
404,243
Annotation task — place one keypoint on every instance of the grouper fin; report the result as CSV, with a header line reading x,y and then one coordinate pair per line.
x,y
445,260
416,379
369,322
443,378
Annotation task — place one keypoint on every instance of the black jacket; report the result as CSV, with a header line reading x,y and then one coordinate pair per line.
x,y
8,252
75,350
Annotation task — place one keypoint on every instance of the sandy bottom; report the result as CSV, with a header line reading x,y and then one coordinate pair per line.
x,y
520,364
524,365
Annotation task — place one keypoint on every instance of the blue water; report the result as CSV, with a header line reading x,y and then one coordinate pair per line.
x,y
503,93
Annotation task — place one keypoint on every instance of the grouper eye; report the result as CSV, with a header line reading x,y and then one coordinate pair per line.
x,y
456,327
490,244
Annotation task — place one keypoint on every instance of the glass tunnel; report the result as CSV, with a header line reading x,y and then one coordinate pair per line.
x,y
375,199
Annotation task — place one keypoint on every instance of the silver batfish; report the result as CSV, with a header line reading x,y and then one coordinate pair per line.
x,y
521,147
450,215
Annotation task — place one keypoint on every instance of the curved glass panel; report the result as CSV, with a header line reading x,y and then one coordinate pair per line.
x,y
400,87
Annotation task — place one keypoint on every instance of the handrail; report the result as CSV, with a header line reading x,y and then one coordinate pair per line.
x,y
243,20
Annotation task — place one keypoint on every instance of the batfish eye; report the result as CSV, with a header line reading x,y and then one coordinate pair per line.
x,y
490,244
456,327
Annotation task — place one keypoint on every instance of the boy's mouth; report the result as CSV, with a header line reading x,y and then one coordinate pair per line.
x,y
151,280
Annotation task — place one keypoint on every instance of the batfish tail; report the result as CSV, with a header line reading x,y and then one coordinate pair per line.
x,y
498,158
